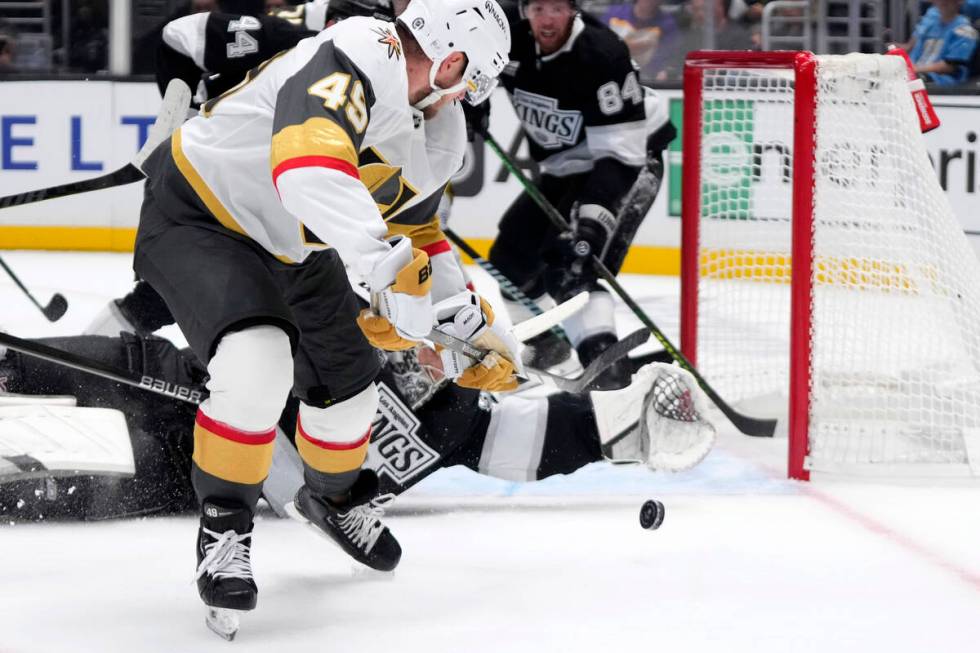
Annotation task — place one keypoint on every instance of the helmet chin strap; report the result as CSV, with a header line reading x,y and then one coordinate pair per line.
x,y
437,93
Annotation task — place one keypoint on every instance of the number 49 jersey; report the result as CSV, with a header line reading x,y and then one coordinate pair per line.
x,y
581,103
276,158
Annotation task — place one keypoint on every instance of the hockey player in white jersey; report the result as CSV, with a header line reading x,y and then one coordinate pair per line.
x,y
249,211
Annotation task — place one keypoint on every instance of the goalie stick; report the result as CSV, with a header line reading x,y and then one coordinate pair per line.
x,y
195,394
189,394
744,423
172,114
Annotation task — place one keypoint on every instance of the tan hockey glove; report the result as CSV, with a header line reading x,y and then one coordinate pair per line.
x,y
493,374
468,316
402,307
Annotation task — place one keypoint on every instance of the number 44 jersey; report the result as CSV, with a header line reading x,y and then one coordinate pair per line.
x,y
276,157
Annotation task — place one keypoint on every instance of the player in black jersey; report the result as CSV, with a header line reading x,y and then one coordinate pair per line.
x,y
592,128
422,425
212,51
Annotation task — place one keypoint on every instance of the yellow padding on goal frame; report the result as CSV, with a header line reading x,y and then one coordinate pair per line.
x,y
641,259
770,267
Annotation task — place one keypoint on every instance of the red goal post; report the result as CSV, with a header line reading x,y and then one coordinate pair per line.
x,y
813,279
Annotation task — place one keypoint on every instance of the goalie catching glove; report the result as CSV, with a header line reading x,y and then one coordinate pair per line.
x,y
401,313
469,317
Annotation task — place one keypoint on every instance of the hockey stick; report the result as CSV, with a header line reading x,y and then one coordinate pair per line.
x,y
189,394
744,423
173,112
601,363
54,309
506,285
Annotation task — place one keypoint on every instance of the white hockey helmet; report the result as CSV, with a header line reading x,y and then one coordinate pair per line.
x,y
477,28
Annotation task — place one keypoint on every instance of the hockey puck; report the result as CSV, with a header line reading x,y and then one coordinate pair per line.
x,y
651,514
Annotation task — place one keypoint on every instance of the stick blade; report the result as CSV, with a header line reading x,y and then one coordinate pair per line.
x,y
56,308
541,323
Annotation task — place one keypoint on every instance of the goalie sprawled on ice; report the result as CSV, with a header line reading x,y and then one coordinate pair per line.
x,y
69,453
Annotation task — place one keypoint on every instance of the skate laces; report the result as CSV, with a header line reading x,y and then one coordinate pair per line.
x,y
362,524
227,556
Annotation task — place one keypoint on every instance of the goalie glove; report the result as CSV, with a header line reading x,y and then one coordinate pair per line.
x,y
401,313
660,419
469,317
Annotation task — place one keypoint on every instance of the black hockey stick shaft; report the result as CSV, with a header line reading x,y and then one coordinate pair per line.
x,y
189,394
173,111
744,423
505,284
124,175
55,308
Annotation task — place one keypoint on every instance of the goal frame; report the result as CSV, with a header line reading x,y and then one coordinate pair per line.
x,y
804,66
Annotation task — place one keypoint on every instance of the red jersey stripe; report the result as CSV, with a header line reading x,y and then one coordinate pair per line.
x,y
233,434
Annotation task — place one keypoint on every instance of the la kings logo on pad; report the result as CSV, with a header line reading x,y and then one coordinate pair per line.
x,y
544,122
396,449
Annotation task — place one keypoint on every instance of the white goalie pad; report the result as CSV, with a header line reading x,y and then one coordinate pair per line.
x,y
659,420
47,439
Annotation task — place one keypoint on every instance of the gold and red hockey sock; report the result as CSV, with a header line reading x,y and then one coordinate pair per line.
x,y
230,463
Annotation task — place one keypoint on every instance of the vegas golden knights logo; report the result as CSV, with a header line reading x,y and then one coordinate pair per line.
x,y
385,183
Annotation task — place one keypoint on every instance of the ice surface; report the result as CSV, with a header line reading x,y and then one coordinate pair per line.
x,y
745,561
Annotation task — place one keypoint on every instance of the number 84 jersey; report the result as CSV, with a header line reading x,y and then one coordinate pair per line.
x,y
581,103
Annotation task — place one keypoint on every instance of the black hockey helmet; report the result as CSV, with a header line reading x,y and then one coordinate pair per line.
x,y
341,9
242,7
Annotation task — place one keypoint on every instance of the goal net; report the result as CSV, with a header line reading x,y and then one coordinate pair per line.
x,y
823,265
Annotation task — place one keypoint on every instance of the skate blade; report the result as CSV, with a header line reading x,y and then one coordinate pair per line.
x,y
296,515
223,622
358,569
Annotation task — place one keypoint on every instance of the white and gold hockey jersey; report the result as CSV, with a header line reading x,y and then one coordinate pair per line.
x,y
311,150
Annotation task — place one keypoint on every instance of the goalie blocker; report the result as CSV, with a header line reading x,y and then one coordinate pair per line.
x,y
658,419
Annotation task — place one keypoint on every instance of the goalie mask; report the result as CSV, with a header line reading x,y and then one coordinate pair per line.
x,y
477,28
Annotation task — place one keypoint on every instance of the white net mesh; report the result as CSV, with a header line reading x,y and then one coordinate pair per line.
x,y
895,384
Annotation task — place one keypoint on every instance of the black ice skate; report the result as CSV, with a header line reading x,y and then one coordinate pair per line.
x,y
354,525
617,375
224,566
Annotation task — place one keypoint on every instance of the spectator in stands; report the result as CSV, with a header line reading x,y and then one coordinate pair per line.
x,y
942,44
6,53
650,33
7,43
89,51
971,9
729,34
747,12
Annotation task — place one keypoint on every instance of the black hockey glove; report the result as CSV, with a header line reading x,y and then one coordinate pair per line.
x,y
570,269
477,119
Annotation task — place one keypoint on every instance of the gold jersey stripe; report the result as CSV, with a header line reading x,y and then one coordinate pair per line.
x,y
315,137
230,460
421,235
331,461
201,188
